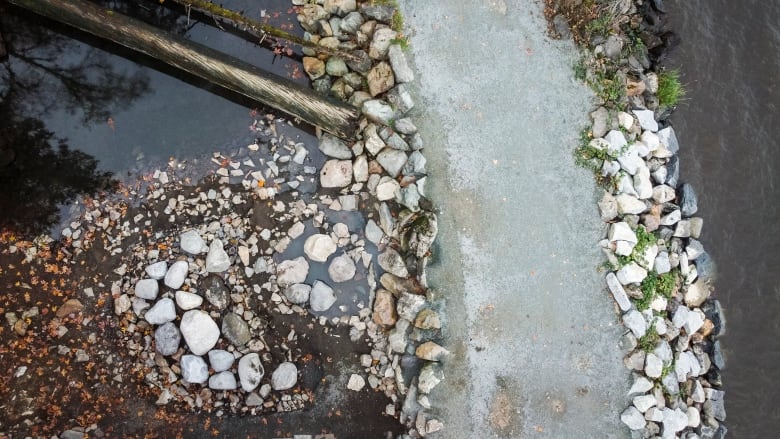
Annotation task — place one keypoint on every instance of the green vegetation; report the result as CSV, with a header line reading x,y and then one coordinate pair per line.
x,y
580,70
401,41
608,87
644,240
648,341
398,21
654,285
601,25
670,90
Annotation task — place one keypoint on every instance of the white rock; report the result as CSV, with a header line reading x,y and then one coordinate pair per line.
x,y
223,381
193,369
634,321
618,292
342,268
625,120
187,301
356,382
243,255
617,141
644,402
662,264
663,193
293,271
622,232
217,259
694,417
360,169
284,377
319,247
653,366
336,173
387,188
147,289
674,420
633,418
298,293
641,385
643,184
220,360
650,139
192,243
401,69
139,305
646,120
163,311
694,321
630,161
174,277
157,270
322,297
199,330
628,204
296,230
631,273
250,371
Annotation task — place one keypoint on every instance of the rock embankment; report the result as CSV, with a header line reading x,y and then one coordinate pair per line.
x,y
660,274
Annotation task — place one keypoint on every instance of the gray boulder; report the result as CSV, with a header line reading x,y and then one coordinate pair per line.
x,y
392,161
167,339
217,294
687,200
392,262
332,146
401,69
633,418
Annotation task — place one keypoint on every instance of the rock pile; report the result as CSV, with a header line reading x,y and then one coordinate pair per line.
x,y
661,276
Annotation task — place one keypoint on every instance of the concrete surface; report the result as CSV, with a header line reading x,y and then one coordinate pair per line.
x,y
533,330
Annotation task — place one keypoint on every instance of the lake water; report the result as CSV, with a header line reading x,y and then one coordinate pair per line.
x,y
728,127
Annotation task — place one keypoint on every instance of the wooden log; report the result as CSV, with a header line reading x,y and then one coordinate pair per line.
x,y
226,71
255,27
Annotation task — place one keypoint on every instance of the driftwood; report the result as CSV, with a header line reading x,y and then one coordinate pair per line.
x,y
223,70
256,28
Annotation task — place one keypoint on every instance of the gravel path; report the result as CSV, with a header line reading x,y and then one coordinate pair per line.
x,y
533,331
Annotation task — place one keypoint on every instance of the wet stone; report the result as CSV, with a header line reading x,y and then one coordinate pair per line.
x,y
235,329
319,247
298,293
392,262
293,271
217,294
322,297
342,268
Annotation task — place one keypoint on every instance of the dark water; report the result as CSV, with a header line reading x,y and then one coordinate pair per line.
x,y
729,128
74,108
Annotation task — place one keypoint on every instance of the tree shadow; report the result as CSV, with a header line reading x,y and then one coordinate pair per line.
x,y
42,71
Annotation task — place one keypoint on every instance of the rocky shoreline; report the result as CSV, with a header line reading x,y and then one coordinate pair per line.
x,y
659,274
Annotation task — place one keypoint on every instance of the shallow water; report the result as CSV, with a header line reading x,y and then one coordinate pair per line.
x,y
118,111
728,129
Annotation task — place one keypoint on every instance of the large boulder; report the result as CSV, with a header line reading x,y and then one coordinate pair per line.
x,y
250,371
322,297
293,271
217,294
167,339
174,277
191,242
342,268
235,329
319,247
193,369
336,174
284,377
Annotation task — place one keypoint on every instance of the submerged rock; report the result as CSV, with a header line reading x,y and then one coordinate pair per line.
x,y
292,272
322,297
319,247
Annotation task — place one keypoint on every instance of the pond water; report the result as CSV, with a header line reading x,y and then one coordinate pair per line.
x,y
117,111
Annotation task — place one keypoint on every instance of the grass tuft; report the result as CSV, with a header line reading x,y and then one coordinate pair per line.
x,y
670,89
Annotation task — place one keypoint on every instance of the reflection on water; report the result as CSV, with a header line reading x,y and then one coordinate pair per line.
x,y
728,130
73,111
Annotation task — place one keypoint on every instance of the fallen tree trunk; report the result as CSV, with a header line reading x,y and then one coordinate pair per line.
x,y
216,67
258,29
